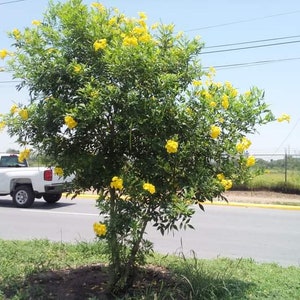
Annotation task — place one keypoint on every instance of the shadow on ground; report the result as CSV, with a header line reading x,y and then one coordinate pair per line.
x,y
91,282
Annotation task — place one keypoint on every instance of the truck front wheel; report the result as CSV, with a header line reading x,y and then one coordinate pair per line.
x,y
51,198
23,196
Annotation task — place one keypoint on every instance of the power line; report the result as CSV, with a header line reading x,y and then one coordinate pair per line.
x,y
242,21
288,135
249,47
254,63
252,42
9,2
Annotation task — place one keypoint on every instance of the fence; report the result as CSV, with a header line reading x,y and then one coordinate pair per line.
x,y
280,169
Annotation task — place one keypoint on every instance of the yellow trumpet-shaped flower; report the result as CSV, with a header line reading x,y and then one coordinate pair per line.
x,y
116,183
196,82
58,171
77,68
225,101
171,146
149,187
130,41
250,161
14,109
227,184
99,6
100,44
70,122
36,22
243,145
100,229
215,131
143,15
23,113
3,53
24,155
213,104
2,125
16,33
284,117
221,176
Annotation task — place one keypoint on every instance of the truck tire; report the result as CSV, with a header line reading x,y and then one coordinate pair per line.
x,y
51,198
23,196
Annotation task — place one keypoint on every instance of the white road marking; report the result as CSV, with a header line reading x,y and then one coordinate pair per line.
x,y
59,212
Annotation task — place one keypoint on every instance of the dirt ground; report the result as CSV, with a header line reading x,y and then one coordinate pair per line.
x,y
263,197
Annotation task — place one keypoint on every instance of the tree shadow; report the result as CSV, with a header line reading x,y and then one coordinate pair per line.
x,y
91,282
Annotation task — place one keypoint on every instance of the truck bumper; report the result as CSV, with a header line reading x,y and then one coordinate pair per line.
x,y
56,188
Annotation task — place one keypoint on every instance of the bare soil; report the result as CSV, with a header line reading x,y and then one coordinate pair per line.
x,y
91,282
263,197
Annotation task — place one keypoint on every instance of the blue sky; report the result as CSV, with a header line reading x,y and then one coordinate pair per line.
x,y
218,22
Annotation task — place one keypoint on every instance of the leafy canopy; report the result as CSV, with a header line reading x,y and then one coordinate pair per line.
x,y
129,110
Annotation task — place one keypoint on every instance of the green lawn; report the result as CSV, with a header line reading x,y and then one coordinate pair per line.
x,y
25,266
275,180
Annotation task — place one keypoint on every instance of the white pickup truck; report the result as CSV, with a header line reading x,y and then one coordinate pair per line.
x,y
26,183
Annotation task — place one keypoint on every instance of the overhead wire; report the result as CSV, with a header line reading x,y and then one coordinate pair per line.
x,y
287,136
10,2
252,42
253,63
242,21
250,47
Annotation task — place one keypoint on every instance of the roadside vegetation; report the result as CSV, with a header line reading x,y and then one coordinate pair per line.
x,y
282,175
40,269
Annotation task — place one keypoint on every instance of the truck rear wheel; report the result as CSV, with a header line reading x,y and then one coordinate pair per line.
x,y
23,196
51,198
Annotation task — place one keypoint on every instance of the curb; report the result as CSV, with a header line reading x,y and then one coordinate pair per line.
x,y
258,205
234,204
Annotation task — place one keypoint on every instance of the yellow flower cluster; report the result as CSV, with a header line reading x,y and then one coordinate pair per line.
x,y
3,53
225,101
171,146
99,6
284,117
36,22
100,229
206,95
70,122
16,33
197,83
14,109
24,155
243,145
58,171
139,33
77,68
250,161
23,113
130,41
149,187
2,125
215,131
116,183
213,104
226,183
100,44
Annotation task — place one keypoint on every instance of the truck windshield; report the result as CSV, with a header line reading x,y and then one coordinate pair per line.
x,y
12,161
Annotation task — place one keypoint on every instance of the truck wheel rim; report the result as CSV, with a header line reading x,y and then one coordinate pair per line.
x,y
21,197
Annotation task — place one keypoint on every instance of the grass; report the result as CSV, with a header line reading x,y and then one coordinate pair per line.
x,y
29,268
275,181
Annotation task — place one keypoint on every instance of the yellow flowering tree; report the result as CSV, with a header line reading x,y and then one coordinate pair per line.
x,y
129,110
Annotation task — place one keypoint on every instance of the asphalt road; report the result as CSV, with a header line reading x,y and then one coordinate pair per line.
x,y
265,235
